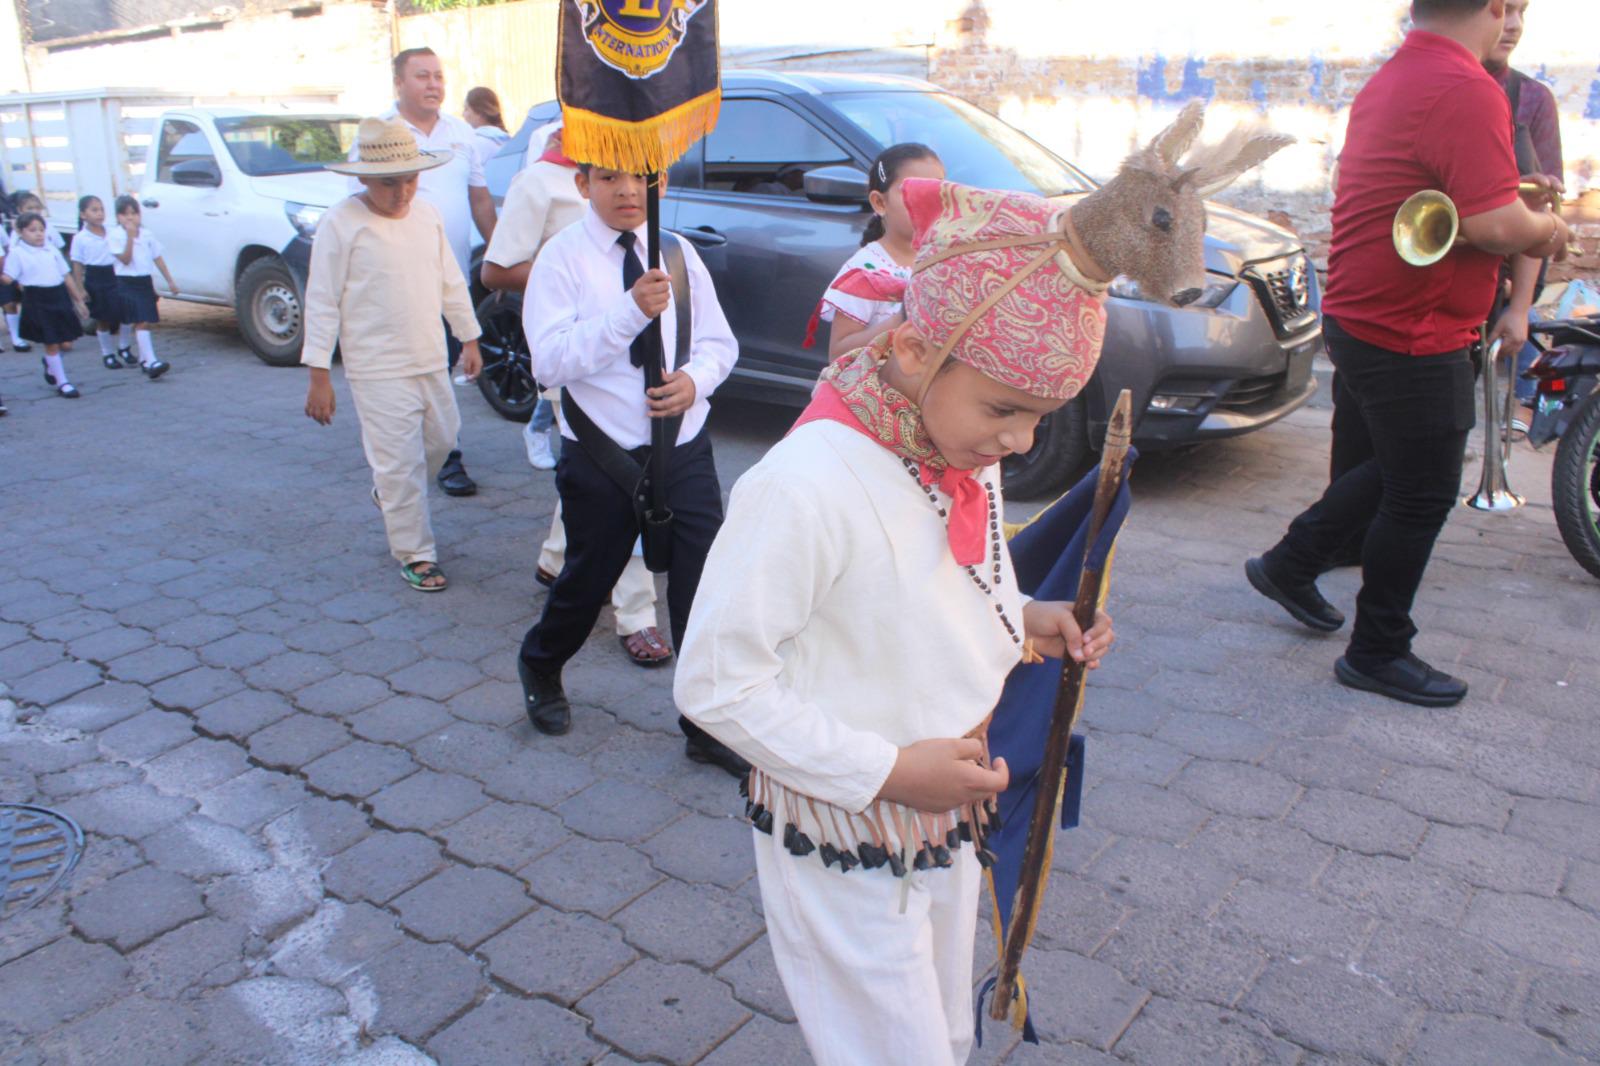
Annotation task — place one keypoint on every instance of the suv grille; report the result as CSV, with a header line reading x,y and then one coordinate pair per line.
x,y
1284,289
1248,392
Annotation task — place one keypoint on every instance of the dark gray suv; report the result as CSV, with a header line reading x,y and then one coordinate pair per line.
x,y
775,201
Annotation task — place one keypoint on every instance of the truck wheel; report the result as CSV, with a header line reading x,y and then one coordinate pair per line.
x,y
268,306
1575,484
1060,452
507,377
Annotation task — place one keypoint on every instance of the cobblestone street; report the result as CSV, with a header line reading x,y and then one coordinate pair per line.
x,y
320,829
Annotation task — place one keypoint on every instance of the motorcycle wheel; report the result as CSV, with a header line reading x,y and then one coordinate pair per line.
x,y
1575,486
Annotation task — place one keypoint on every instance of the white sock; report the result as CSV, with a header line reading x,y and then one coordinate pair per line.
x,y
147,351
13,321
124,342
105,341
57,370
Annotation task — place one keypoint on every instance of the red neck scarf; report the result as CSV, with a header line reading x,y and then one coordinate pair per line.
x,y
554,154
852,393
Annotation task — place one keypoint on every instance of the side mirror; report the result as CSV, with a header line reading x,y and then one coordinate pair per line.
x,y
197,172
836,185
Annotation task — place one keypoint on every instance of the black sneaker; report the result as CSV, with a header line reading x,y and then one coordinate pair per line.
x,y
453,477
1409,680
545,701
1303,602
155,369
127,357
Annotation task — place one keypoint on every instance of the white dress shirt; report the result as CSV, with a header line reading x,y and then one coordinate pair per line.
x,y
91,250
580,323
146,250
542,201
33,267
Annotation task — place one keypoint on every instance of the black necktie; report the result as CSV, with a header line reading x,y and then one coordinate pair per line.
x,y
632,271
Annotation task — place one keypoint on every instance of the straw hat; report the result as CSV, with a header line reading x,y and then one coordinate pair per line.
x,y
387,149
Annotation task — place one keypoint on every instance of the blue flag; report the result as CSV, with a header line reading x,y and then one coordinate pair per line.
x,y
1049,556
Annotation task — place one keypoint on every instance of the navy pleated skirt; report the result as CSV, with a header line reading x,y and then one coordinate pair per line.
x,y
138,299
48,316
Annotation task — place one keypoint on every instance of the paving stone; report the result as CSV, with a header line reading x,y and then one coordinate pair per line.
x,y
325,637
342,695
360,607
297,740
108,644
152,664
136,1029
398,720
103,859
1292,922
1132,808
1552,932
754,977
159,570
1442,968
419,986
335,942
317,827
1214,736
555,954
1360,823
1269,852
1089,1002
243,713
671,1012
505,1031
90,777
98,708
29,930
409,624
203,953
261,1019
1583,885
1177,1032
197,765
377,658
676,922
382,866
1569,828
1494,860
1135,758
56,683
1532,772
1237,789
252,799
1471,1041
1321,763
1077,914
534,776
267,901
359,769
704,850
598,877
619,810
20,660
427,800
1561,1006
66,627
241,650
40,755
465,748
196,630
144,736
765,1041
129,811
504,835
435,679
1179,955
1384,885
196,688
1447,797
199,848
1156,874
289,672
136,907
113,597
1321,1005
463,905
491,703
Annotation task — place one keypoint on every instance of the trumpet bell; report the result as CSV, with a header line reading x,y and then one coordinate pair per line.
x,y
1426,227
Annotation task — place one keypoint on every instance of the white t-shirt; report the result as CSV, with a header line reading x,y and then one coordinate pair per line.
x,y
146,250
446,187
542,201
867,312
31,267
487,142
92,250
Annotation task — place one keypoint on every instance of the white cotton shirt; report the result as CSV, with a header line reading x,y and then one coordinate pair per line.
x,y
92,250
542,201
146,250
445,187
378,288
37,268
580,323
832,625
867,312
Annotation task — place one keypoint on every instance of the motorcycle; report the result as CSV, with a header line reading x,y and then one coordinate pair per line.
x,y
1567,409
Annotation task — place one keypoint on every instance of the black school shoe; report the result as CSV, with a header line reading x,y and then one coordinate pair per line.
x,y
23,347
545,701
1409,680
702,747
127,356
111,361
155,369
49,378
1303,602
453,477
68,390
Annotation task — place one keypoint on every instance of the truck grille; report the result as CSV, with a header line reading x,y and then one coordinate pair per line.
x,y
1248,392
1284,289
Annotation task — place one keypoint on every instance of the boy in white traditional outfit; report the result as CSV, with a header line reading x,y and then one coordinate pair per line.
x,y
383,281
859,615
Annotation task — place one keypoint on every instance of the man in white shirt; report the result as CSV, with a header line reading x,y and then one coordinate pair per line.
x,y
456,190
588,305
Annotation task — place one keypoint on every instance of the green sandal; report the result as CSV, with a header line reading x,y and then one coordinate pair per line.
x,y
418,572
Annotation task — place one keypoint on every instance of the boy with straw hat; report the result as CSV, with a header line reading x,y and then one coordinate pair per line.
x,y
383,281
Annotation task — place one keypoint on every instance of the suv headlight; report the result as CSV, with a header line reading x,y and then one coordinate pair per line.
x,y
304,218
1217,290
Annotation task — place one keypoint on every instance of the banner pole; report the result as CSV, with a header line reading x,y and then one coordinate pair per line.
x,y
660,446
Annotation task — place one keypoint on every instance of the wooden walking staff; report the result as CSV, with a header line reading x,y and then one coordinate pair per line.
x,y
1092,587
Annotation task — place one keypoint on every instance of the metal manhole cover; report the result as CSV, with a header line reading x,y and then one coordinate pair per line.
x,y
38,849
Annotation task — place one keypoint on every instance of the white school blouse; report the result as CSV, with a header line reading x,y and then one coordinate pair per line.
x,y
38,268
146,250
92,250
833,626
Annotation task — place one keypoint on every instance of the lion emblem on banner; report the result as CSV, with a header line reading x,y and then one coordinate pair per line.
x,y
636,37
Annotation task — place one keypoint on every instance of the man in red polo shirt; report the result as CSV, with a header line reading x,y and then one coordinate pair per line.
x,y
1400,336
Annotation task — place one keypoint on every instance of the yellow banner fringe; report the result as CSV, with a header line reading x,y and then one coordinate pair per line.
x,y
647,147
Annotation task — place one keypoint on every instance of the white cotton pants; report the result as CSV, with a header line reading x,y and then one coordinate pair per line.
x,y
408,427
634,597
872,986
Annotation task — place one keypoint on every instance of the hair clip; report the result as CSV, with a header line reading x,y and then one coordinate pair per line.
x,y
883,174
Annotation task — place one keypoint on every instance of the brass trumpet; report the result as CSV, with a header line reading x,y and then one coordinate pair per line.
x,y
1428,226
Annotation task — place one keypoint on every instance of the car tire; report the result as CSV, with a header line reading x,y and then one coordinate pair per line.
x,y
1059,455
507,377
269,304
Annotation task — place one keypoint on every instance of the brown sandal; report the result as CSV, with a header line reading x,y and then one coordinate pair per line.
x,y
646,648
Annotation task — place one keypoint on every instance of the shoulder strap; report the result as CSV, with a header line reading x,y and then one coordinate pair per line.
x,y
678,271
617,465
1514,80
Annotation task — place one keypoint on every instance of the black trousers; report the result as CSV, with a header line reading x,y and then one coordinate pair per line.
x,y
601,529
1400,432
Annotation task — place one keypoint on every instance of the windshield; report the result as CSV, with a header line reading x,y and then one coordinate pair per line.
x,y
977,148
280,144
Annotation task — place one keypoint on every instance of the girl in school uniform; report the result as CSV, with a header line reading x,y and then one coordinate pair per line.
x,y
24,203
135,253
52,303
856,305
93,269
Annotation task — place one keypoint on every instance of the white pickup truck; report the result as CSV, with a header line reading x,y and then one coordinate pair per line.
x,y
234,189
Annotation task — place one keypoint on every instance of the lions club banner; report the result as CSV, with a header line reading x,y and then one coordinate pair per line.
x,y
638,80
